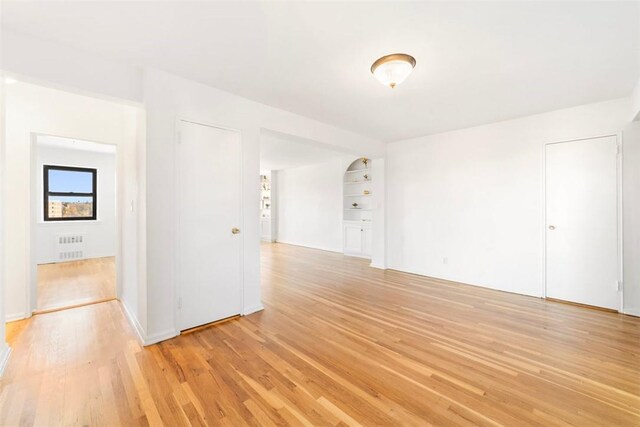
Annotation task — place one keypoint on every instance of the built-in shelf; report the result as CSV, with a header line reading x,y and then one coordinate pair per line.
x,y
357,223
357,171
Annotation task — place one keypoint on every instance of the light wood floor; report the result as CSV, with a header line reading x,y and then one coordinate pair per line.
x,y
76,282
339,343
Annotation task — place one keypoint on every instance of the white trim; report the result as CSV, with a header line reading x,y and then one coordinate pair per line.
x,y
632,312
15,317
357,256
4,359
140,332
161,336
378,266
321,248
82,222
619,207
253,309
133,321
462,281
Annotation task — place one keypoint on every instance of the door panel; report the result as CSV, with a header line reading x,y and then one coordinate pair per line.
x,y
582,222
352,239
209,267
367,241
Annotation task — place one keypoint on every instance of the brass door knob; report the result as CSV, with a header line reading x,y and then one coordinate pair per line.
x,y
552,227
235,230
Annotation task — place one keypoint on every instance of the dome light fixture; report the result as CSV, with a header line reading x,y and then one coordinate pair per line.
x,y
391,70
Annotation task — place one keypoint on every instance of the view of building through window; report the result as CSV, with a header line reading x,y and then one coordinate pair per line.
x,y
69,193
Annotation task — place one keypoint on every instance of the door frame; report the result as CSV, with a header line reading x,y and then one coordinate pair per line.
x,y
619,209
177,289
34,175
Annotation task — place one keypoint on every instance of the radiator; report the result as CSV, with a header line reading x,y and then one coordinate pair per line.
x,y
70,246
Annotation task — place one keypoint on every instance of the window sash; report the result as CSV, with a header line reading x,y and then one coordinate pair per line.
x,y
93,195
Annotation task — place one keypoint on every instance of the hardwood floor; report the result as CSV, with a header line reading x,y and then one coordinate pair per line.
x,y
76,282
339,343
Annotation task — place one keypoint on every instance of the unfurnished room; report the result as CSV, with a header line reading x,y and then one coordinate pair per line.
x,y
344,213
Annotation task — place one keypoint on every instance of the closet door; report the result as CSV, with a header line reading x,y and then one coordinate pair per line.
x,y
582,222
209,216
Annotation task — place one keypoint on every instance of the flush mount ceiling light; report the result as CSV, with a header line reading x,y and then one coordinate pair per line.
x,y
391,70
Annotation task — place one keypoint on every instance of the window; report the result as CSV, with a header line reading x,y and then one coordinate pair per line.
x,y
70,193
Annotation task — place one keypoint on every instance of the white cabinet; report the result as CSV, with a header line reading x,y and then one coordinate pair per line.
x,y
357,239
265,229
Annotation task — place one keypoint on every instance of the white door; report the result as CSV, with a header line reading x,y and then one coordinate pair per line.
x,y
352,239
582,222
209,253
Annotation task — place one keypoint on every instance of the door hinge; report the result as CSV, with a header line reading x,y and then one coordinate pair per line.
x,y
619,285
179,303
179,137
618,149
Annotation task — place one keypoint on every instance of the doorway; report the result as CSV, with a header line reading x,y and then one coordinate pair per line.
x,y
74,223
209,217
582,222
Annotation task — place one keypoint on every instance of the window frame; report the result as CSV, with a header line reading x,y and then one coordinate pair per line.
x,y
47,193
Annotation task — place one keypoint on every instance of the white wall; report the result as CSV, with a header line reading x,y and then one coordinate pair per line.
x,y
99,236
310,205
168,98
631,213
475,197
4,347
32,109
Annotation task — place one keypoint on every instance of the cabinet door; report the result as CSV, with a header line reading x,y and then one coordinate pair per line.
x,y
352,239
367,241
265,228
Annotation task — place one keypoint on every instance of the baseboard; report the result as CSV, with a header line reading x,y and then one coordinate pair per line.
x,y
57,261
357,256
321,248
161,336
252,309
4,358
15,317
133,321
463,282
380,267
632,312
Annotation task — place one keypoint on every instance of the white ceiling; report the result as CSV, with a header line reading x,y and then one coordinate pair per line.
x,y
75,144
279,151
477,62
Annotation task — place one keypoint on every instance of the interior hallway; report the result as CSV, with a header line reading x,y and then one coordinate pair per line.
x,y
76,282
338,343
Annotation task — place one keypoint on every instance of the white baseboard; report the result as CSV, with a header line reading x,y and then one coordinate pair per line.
x,y
357,255
632,312
381,267
15,317
133,321
141,333
4,358
252,309
322,248
161,336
